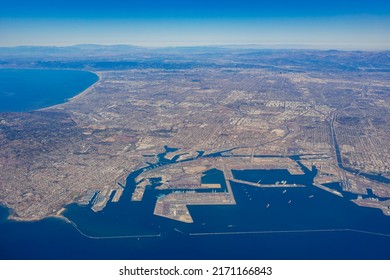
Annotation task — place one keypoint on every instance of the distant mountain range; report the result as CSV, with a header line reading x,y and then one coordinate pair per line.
x,y
101,57
109,50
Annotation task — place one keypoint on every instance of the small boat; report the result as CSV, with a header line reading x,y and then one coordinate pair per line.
x,y
267,205
284,191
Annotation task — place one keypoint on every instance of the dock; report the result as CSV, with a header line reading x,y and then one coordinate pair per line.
x,y
102,199
118,194
328,189
227,173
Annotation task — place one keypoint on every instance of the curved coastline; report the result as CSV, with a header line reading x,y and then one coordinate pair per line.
x,y
82,93
77,95
12,218
26,93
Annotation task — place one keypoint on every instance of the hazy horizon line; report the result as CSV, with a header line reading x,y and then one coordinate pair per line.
x,y
281,46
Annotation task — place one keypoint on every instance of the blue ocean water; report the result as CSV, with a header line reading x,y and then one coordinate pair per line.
x,y
56,239
32,89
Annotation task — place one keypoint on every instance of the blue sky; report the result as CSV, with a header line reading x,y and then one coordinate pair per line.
x,y
338,24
